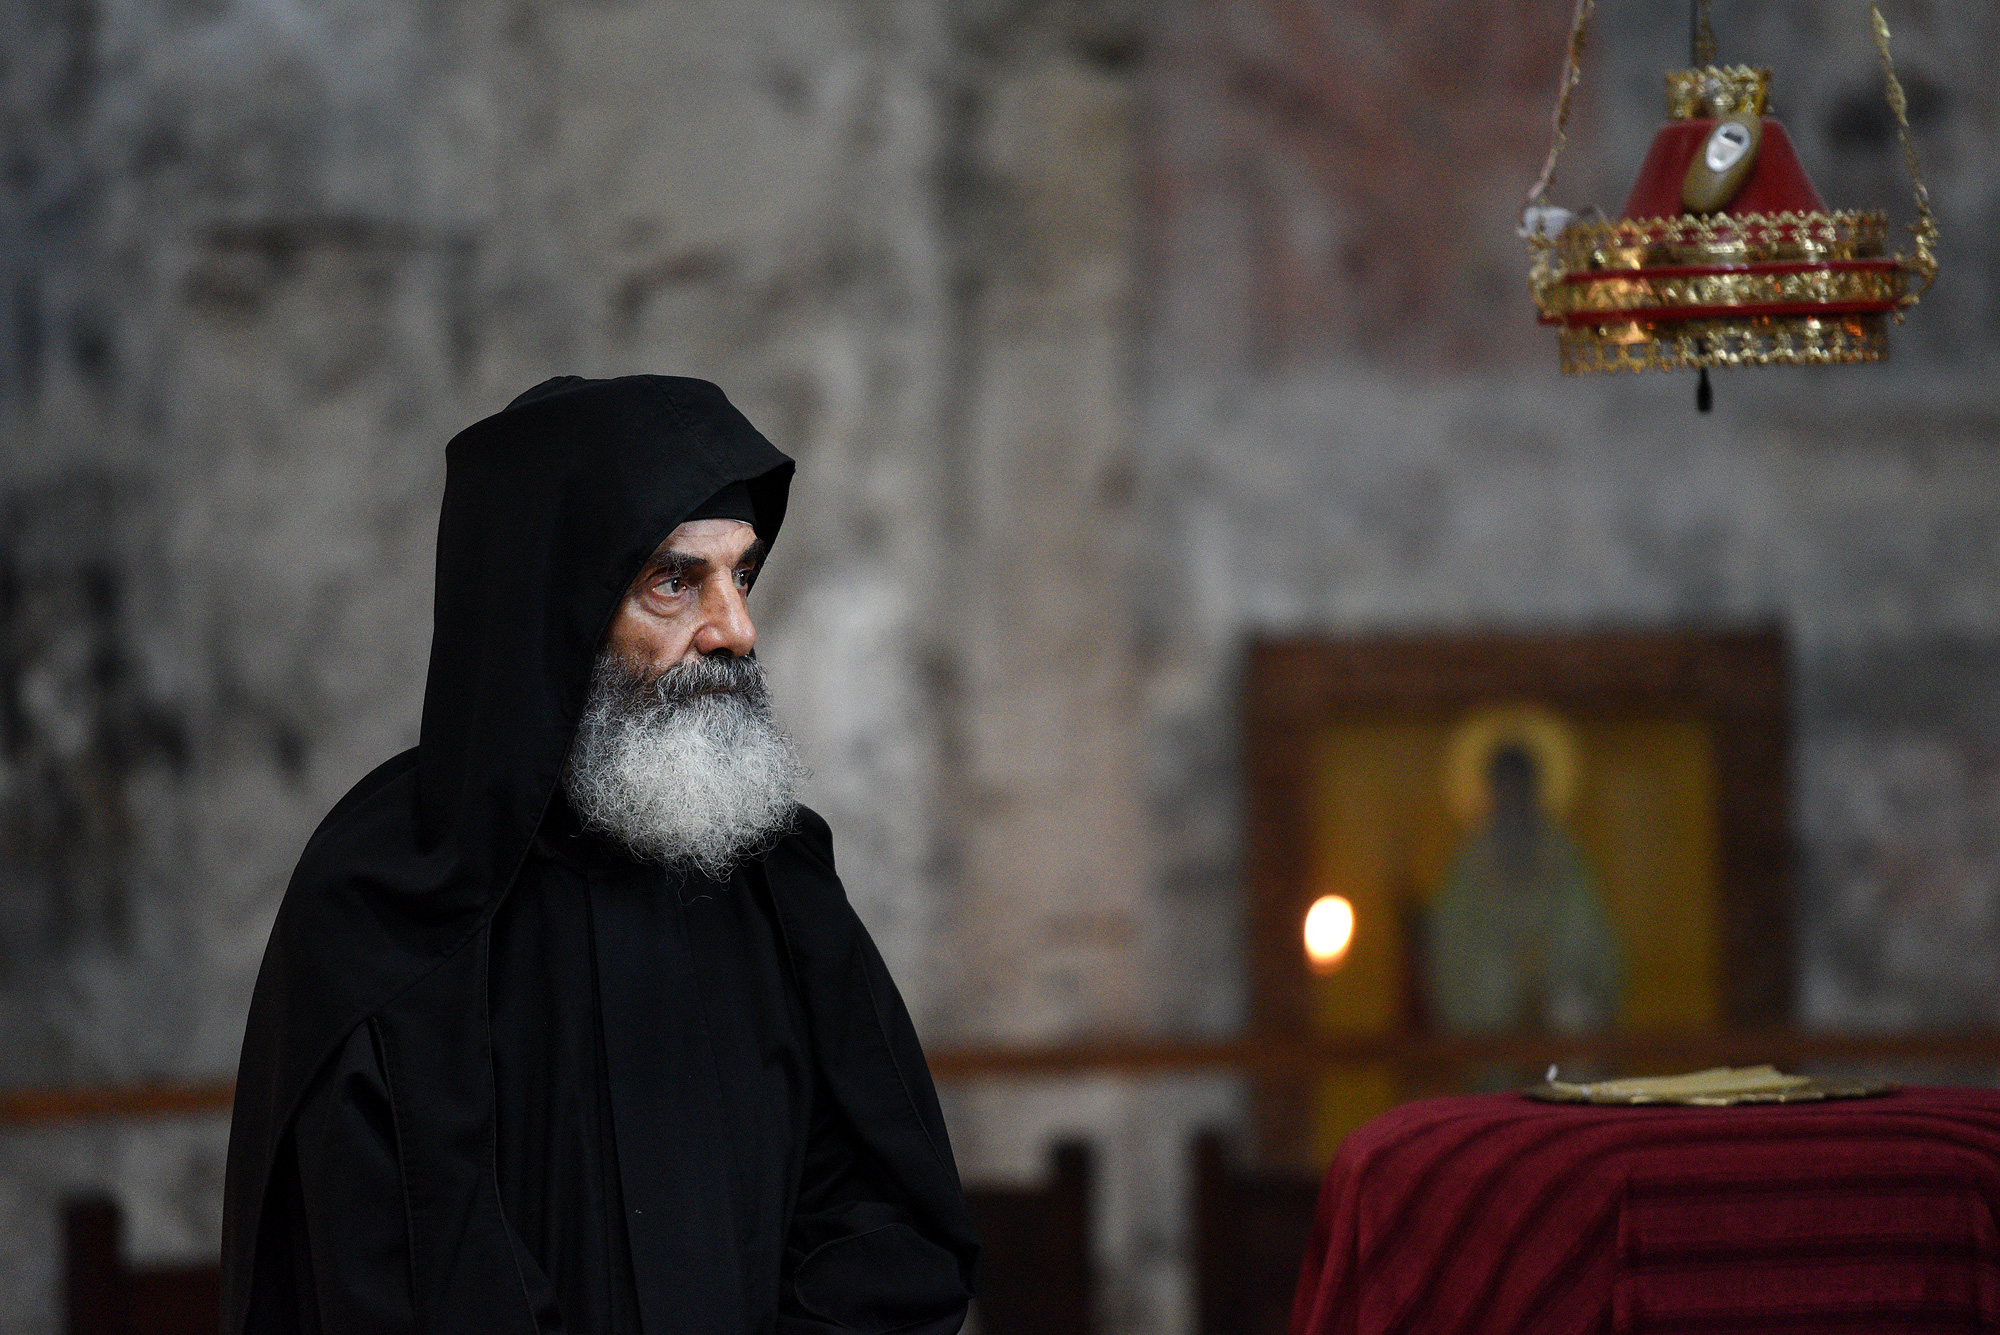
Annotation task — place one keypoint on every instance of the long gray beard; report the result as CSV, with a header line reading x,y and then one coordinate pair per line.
x,y
686,766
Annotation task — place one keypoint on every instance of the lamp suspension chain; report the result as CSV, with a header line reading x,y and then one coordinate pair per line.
x,y
1572,75
1701,35
1925,229
1701,54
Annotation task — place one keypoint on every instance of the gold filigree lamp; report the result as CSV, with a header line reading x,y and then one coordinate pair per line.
x,y
1724,254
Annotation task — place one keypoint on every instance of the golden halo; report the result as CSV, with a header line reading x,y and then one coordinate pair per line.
x,y
1539,731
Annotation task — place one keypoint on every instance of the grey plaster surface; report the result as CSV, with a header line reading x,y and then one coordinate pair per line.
x,y
1105,335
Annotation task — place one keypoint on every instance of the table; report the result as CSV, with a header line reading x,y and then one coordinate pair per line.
x,y
1493,1214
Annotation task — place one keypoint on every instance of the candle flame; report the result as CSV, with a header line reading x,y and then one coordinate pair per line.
x,y
1329,931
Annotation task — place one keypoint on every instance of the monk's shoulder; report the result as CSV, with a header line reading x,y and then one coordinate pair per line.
x,y
811,835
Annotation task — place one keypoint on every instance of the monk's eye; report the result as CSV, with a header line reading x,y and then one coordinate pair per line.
x,y
670,585
743,577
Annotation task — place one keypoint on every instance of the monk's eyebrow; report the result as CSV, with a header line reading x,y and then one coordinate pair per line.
x,y
687,563
674,563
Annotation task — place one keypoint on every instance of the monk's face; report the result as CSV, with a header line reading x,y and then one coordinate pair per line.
x,y
688,600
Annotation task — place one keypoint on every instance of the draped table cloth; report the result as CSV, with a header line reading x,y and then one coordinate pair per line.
x,y
1492,1213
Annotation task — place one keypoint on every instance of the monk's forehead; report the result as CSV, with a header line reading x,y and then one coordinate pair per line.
x,y
728,538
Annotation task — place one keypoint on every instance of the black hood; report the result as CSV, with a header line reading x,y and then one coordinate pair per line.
x,y
550,508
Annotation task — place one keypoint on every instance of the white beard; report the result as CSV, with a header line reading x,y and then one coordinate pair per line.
x,y
686,766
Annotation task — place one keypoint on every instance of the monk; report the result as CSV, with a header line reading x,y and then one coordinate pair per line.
x,y
565,1023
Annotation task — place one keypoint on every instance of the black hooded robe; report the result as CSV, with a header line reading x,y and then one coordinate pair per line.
x,y
500,1077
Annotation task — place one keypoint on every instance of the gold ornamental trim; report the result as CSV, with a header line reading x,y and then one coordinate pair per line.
x,y
1718,91
1684,345
1751,238
1721,241
1623,291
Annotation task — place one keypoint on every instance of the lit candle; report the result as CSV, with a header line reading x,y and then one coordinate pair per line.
x,y
1329,932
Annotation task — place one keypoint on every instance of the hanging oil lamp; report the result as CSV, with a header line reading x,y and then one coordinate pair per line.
x,y
1724,254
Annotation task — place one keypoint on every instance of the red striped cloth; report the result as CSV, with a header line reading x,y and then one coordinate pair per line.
x,y
1494,1214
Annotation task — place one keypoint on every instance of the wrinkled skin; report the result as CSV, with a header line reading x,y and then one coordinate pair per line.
x,y
690,599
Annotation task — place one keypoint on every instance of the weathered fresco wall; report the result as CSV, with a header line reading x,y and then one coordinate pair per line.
x,y
262,260
1105,335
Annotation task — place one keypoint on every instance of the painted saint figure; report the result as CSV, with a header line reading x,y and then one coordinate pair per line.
x,y
1517,935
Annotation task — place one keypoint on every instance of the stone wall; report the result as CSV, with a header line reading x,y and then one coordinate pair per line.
x,y
1105,334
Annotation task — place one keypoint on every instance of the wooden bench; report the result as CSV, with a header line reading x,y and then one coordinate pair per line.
x,y
1250,1232
1034,1267
105,1295
1034,1275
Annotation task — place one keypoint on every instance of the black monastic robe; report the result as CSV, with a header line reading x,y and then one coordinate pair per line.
x,y
593,1095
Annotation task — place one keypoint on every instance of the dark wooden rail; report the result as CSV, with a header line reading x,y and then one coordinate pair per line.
x,y
40,1107
1426,1060
1636,1053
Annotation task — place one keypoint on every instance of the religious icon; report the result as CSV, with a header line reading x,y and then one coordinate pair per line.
x,y
1506,834
1517,936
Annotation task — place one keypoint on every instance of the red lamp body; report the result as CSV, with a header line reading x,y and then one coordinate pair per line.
x,y
1777,182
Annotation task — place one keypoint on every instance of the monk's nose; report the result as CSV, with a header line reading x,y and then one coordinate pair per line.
x,y
726,625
